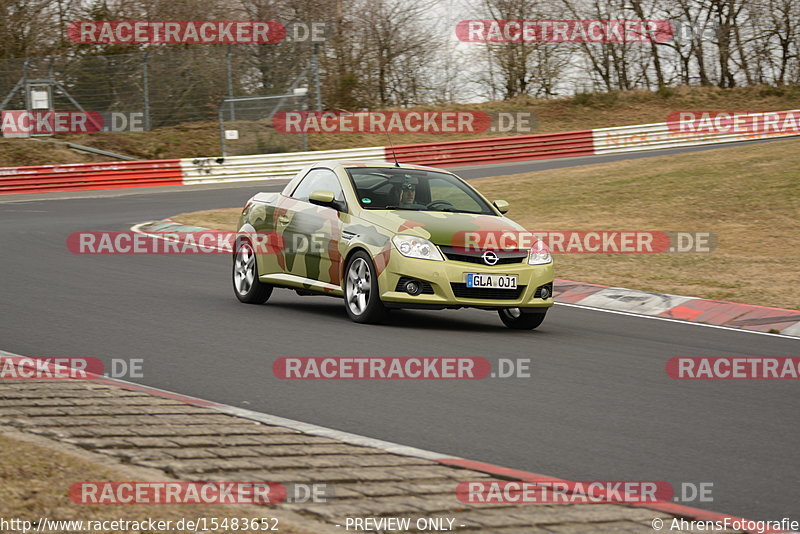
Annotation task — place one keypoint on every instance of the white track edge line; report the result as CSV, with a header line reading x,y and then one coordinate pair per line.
x,y
136,228
731,328
347,437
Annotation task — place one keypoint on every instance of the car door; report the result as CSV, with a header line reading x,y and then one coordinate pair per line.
x,y
312,233
263,214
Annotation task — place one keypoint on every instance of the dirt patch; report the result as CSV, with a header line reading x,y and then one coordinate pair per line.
x,y
37,474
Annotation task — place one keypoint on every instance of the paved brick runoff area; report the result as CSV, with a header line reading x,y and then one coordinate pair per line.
x,y
196,443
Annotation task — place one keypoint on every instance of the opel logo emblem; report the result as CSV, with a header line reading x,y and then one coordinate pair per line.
x,y
490,257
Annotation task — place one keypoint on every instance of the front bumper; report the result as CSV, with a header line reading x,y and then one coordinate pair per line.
x,y
442,275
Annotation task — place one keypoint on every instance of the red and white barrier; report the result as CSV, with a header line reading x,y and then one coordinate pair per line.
x,y
83,176
191,171
675,134
497,150
266,166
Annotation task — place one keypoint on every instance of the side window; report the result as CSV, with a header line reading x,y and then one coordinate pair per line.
x,y
318,180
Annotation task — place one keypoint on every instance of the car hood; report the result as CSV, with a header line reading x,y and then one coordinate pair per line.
x,y
442,228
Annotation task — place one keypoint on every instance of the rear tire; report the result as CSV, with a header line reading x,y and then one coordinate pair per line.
x,y
361,297
246,285
517,319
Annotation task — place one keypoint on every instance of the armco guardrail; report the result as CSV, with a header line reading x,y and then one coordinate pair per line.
x,y
570,144
187,171
190,171
497,150
83,176
266,166
621,139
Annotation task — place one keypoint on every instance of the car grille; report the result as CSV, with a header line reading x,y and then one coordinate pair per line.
x,y
427,289
463,292
505,257
538,293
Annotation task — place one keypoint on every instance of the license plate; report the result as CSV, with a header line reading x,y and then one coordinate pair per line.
x,y
493,281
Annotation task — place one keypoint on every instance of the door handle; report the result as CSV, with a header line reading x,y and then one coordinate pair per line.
x,y
283,219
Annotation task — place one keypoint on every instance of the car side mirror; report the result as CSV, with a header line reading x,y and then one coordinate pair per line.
x,y
327,199
502,206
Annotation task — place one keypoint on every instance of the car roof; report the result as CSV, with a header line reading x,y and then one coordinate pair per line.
x,y
352,164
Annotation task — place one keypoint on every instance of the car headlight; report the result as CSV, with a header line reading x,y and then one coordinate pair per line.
x,y
539,254
412,246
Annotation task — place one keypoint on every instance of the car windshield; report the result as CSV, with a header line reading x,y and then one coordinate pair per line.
x,y
387,188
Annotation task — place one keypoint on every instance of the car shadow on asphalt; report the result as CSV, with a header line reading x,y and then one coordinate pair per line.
x,y
443,320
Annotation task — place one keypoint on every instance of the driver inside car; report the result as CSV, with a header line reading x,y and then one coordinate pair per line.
x,y
406,194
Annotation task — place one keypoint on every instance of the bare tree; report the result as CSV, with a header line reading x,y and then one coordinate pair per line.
x,y
781,39
522,68
31,27
397,43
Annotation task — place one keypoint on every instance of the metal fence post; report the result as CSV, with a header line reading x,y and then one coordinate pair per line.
x,y
305,134
25,84
315,76
146,92
230,81
221,128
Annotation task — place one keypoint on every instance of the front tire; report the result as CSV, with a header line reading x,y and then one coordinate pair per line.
x,y
516,319
246,285
361,297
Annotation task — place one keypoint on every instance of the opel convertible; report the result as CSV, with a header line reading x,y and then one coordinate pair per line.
x,y
384,236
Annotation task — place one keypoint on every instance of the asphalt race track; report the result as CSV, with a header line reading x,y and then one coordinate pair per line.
x,y
599,405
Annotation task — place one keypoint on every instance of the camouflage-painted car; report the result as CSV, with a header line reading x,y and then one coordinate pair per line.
x,y
386,236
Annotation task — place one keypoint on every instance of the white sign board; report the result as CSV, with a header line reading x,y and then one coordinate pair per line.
x,y
40,99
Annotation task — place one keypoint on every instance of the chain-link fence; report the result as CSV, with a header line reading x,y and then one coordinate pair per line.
x,y
247,127
169,86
